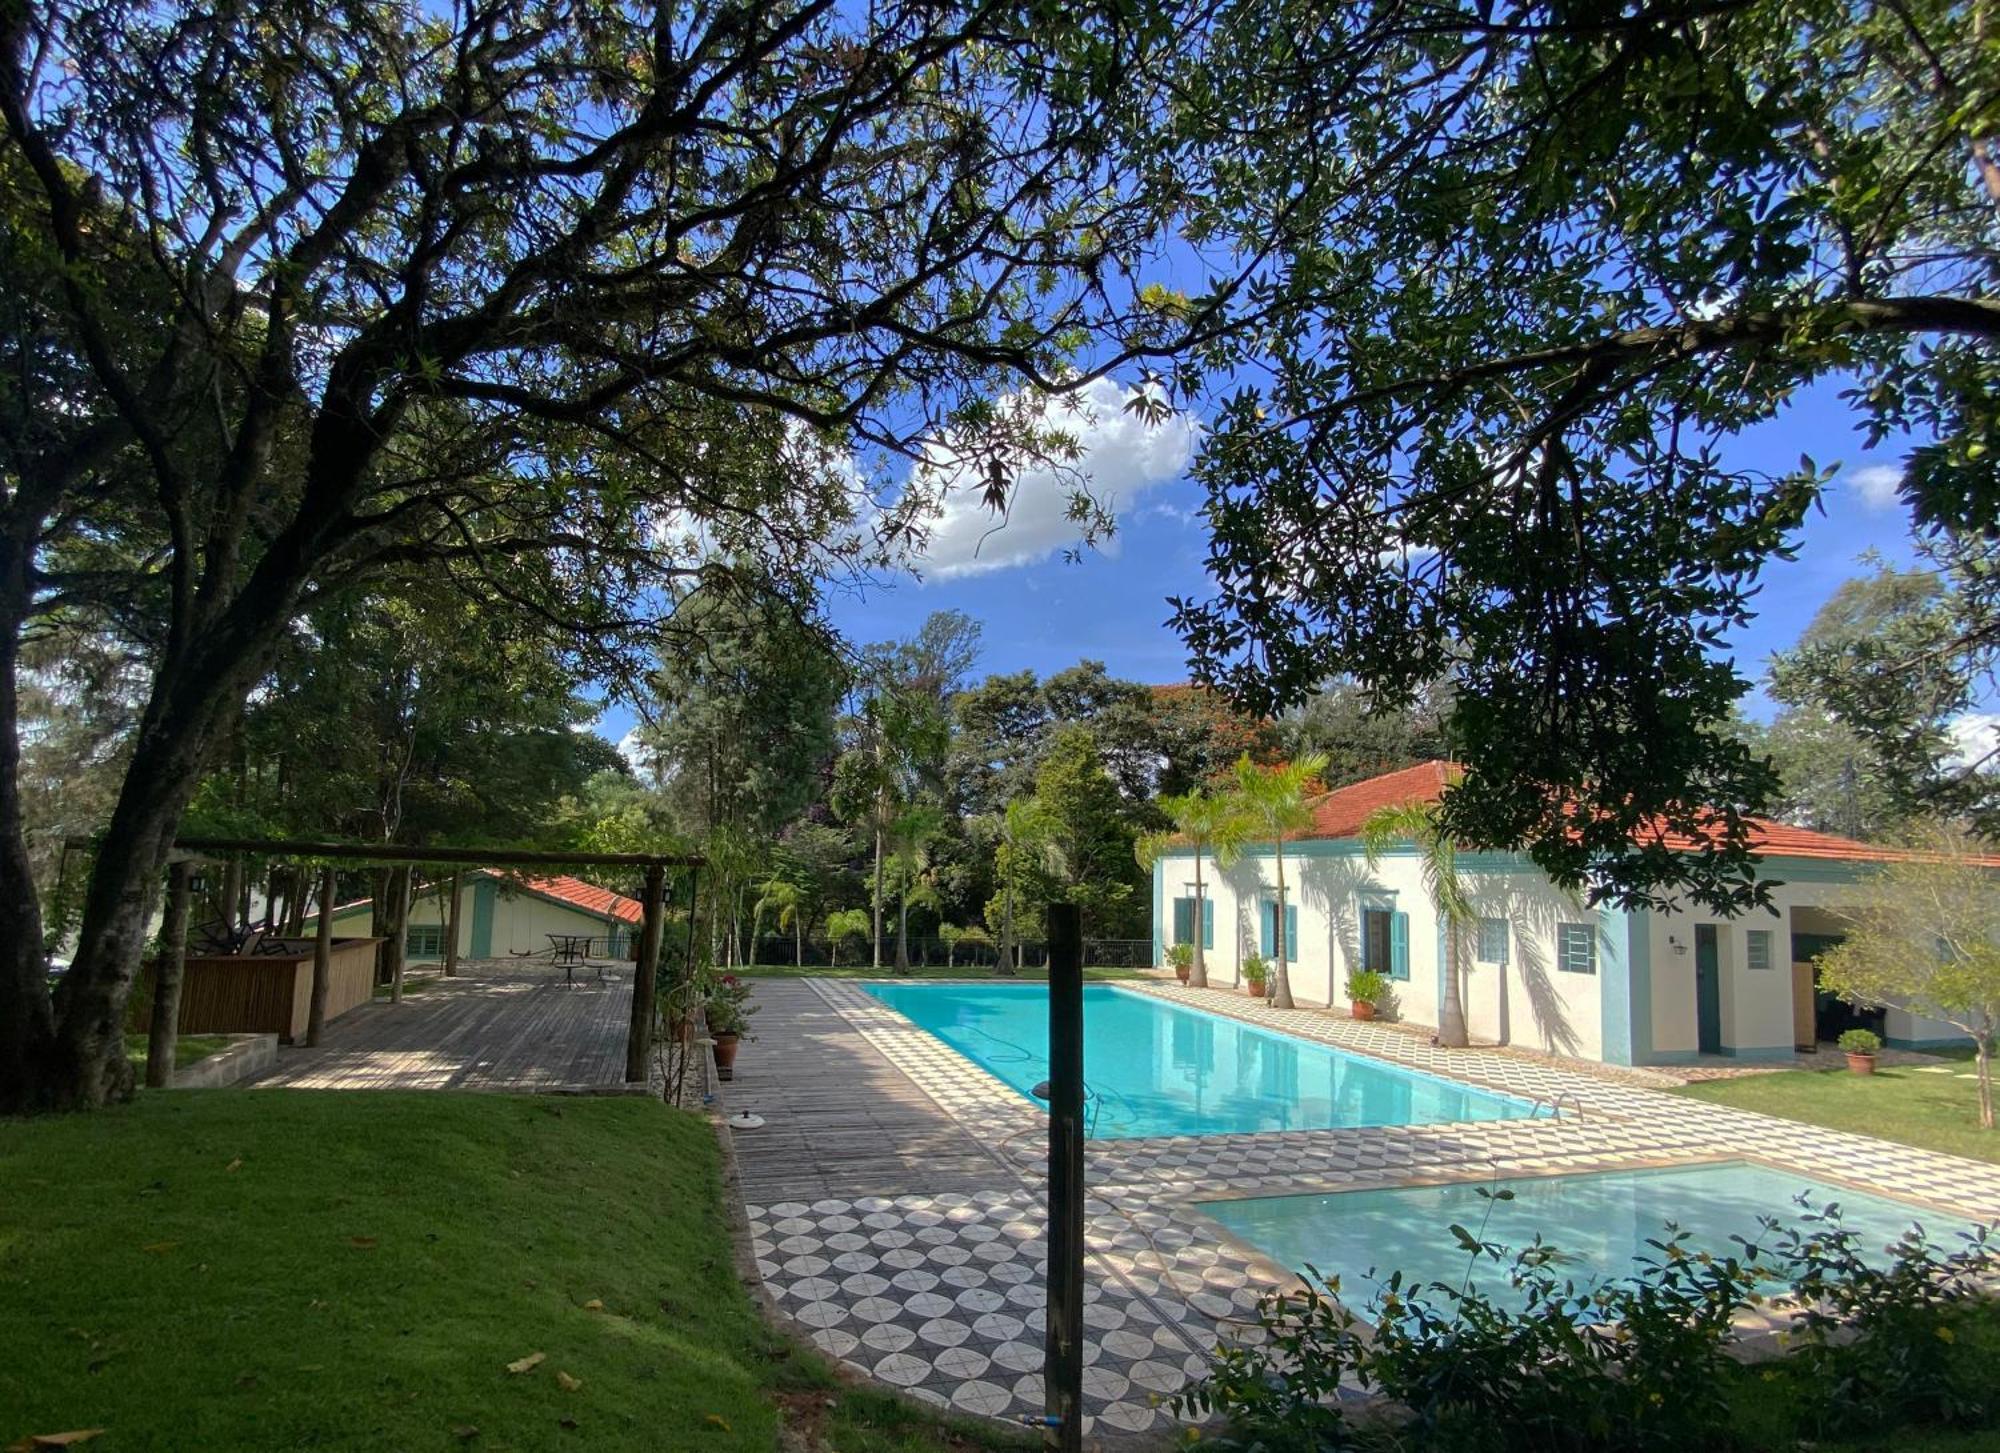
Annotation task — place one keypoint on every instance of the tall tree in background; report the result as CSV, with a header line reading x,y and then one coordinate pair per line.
x,y
579,289
1529,269
1087,829
1870,697
1276,805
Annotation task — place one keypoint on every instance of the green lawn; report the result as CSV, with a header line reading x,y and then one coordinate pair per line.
x,y
187,1048
1898,1102
963,971
229,1270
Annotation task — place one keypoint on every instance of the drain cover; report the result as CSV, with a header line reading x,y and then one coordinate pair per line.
x,y
745,1121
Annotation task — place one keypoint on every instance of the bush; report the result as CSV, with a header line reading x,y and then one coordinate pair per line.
x,y
1256,970
1367,986
1641,1362
1860,1041
1180,956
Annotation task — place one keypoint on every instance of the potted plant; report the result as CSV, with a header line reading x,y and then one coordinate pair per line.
x,y
1861,1046
728,1010
1256,973
1366,990
1181,956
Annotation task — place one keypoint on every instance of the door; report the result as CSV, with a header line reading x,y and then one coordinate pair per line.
x,y
1707,989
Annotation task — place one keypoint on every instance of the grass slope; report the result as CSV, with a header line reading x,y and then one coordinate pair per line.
x,y
272,1269
187,1048
1907,1103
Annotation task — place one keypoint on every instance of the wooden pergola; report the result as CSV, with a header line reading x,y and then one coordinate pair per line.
x,y
185,851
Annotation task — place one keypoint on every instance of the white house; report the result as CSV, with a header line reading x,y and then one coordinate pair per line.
x,y
500,915
1541,970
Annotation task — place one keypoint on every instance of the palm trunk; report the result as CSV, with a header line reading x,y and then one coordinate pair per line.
x,y
451,928
1984,1060
1198,973
903,933
878,880
1281,983
1452,1033
798,941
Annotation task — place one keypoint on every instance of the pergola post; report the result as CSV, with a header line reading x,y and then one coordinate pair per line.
x,y
645,978
451,929
322,957
168,971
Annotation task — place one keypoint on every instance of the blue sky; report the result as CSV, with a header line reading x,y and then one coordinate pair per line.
x,y
1043,612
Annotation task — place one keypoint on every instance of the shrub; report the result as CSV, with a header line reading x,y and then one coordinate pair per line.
x,y
1256,970
1640,1362
728,1006
1180,955
1367,986
1860,1041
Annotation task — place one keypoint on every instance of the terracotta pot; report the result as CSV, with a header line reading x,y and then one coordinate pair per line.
x,y
1360,1009
1181,972
1256,991
725,1054
1861,1064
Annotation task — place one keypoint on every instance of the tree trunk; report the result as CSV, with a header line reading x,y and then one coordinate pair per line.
x,y
1452,1033
168,968
1003,962
1281,980
322,958
798,940
397,924
1198,971
878,878
903,932
451,927
1984,1059
27,1019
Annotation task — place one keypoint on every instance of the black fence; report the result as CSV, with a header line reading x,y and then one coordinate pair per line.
x,y
935,953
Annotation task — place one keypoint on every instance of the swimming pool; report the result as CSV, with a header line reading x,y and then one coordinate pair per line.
x,y
1601,1219
1156,1068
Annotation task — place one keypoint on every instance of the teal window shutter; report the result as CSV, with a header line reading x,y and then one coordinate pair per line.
x,y
1184,920
1207,926
1291,933
1399,946
1267,935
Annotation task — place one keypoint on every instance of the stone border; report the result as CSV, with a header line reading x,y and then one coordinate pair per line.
x,y
245,1055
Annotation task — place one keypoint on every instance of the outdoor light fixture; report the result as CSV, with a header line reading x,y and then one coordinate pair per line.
x,y
1677,946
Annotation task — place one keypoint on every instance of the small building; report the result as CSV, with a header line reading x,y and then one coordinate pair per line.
x,y
1541,969
501,915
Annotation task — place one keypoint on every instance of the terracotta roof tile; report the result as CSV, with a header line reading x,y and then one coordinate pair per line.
x,y
588,897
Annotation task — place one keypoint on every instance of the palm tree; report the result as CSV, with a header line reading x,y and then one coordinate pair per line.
x,y
1275,803
911,835
786,900
1209,824
1417,822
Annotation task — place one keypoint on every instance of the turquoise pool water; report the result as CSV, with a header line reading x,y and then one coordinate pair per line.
x,y
1155,1068
1602,1220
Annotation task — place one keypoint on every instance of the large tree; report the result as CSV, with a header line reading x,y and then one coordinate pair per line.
x,y
320,293
1531,267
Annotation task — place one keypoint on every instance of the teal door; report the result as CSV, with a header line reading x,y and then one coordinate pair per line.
x,y
1707,989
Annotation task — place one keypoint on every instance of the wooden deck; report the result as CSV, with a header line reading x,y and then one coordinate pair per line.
x,y
505,1025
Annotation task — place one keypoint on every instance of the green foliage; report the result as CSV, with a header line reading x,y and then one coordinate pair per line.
x,y
1085,831
728,1006
1367,986
1635,1362
1860,1041
1256,971
1180,955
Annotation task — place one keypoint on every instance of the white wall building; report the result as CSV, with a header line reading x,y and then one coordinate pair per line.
x,y
1541,970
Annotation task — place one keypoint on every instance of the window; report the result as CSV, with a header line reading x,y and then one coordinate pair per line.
x,y
1184,918
1757,948
1267,938
1492,947
1576,948
424,941
1385,942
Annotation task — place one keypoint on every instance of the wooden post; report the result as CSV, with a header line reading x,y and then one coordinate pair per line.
x,y
399,928
1062,1348
645,977
322,957
164,1032
451,929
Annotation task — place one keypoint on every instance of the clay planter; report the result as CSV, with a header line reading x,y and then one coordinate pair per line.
x,y
725,1054
1360,1009
1861,1064
1256,991
1181,972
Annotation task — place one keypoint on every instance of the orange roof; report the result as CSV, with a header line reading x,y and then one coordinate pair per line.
x,y
588,897
1340,813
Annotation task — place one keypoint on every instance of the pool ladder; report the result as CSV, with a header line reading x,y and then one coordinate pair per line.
x,y
1555,1104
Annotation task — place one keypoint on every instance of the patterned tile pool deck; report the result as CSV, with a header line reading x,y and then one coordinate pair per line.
x,y
894,1197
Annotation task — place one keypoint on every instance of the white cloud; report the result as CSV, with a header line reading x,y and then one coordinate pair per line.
x,y
1120,456
1876,484
636,756
1974,737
